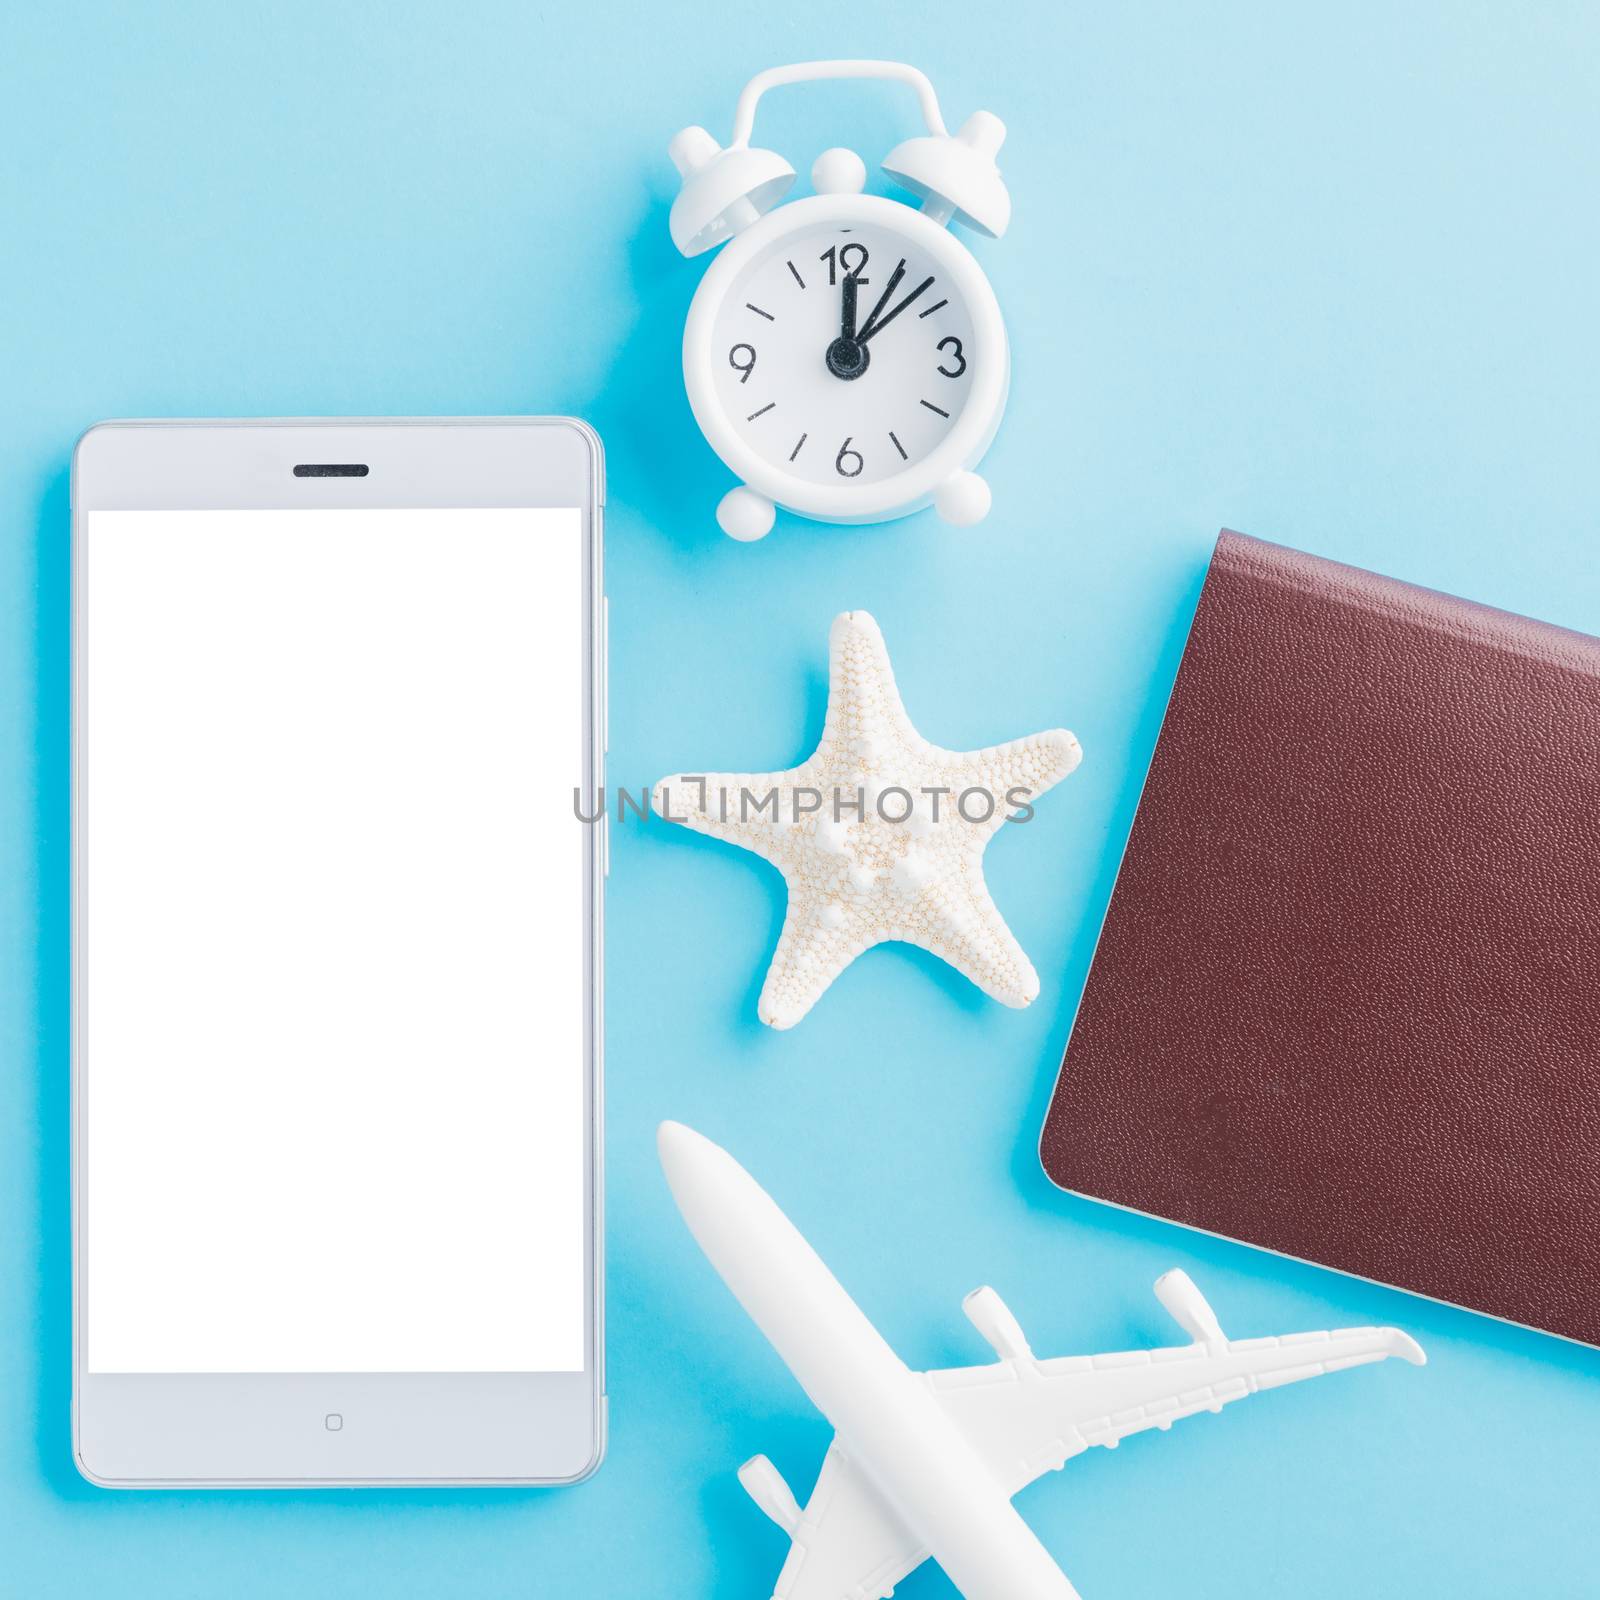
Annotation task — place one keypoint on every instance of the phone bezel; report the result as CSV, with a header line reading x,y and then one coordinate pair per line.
x,y
269,1429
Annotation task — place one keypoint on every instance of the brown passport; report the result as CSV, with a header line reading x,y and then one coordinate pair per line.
x,y
1346,1000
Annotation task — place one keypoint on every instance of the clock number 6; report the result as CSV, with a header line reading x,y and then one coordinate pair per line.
x,y
855,455
959,359
747,366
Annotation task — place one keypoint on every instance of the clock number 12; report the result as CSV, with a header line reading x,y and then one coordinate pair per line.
x,y
839,256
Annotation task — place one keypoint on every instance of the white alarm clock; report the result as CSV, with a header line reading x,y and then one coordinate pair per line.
x,y
844,355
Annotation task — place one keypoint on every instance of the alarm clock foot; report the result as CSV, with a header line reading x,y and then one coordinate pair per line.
x,y
961,500
745,515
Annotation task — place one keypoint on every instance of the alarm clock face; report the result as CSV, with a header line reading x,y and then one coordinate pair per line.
x,y
845,356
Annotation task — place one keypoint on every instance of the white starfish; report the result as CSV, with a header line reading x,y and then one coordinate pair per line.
x,y
863,864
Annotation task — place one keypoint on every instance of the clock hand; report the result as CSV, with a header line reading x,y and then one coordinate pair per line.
x,y
846,357
883,299
876,324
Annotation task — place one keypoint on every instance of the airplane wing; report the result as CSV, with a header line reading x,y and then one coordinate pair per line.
x,y
848,1543
1027,1417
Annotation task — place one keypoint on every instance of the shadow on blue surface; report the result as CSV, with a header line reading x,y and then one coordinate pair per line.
x,y
52,1029
1027,1172
656,457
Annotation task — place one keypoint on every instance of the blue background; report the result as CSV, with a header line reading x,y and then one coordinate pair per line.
x,y
1323,274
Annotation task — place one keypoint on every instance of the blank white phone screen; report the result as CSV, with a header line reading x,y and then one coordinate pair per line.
x,y
330,941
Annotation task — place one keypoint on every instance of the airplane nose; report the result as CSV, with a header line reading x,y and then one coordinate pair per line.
x,y
676,1142
688,1159
726,1209
673,1142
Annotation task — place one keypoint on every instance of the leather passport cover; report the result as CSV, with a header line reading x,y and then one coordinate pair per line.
x,y
1346,1001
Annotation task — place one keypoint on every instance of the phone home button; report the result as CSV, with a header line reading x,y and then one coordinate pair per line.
x,y
333,1422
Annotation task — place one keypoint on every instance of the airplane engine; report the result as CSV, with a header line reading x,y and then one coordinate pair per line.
x,y
989,1314
1177,1291
770,1490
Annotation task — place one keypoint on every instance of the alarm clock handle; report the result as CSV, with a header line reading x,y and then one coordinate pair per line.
x,y
744,116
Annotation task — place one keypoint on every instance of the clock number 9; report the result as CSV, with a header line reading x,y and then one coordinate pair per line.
x,y
855,455
840,257
959,359
747,366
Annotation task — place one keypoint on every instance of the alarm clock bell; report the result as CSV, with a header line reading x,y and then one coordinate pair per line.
x,y
954,175
725,190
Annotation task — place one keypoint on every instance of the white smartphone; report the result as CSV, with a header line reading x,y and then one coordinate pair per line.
x,y
336,952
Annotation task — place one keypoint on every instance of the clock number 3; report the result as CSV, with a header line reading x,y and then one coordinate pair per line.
x,y
748,365
957,357
854,455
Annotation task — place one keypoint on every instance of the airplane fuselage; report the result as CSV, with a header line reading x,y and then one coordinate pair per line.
x,y
889,1421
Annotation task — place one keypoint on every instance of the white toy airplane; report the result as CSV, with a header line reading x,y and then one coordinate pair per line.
x,y
925,1463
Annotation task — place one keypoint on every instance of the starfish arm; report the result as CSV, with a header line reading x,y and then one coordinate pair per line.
x,y
1024,768
966,929
864,706
748,809
808,957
